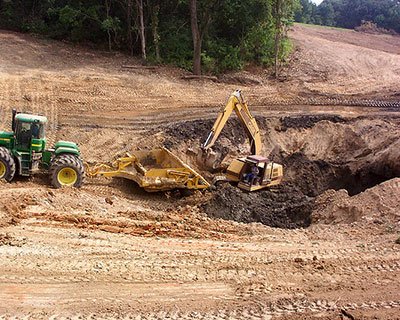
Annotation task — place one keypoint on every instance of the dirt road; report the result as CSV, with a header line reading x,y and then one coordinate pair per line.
x,y
112,251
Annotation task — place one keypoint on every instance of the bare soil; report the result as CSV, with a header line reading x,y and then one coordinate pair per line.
x,y
320,246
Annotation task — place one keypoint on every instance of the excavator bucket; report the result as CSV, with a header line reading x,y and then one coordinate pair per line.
x,y
153,170
208,159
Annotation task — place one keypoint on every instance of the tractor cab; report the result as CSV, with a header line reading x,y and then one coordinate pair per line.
x,y
23,152
29,132
258,173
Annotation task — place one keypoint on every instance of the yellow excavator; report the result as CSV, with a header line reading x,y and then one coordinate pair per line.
x,y
253,172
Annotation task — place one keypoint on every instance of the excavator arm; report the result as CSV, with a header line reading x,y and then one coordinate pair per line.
x,y
235,103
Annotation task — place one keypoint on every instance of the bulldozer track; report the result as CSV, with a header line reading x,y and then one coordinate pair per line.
x,y
233,275
52,114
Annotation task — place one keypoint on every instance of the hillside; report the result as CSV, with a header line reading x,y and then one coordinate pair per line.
x,y
346,62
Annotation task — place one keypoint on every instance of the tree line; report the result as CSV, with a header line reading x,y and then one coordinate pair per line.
x,y
209,36
350,13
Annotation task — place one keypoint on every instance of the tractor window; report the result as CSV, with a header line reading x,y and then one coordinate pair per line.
x,y
26,131
42,129
37,131
23,134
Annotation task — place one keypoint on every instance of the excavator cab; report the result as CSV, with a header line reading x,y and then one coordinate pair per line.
x,y
258,172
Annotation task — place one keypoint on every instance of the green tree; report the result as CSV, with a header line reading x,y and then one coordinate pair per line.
x,y
303,12
200,15
283,18
230,33
327,14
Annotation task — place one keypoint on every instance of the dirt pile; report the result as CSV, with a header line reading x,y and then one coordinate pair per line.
x,y
378,204
307,121
284,207
197,131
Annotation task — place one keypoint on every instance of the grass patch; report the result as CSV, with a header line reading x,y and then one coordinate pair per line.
x,y
317,26
322,27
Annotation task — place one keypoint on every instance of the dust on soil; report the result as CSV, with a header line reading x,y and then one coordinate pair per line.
x,y
111,250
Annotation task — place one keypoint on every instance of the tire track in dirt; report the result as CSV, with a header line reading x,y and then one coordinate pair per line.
x,y
30,98
265,265
7,104
258,272
121,271
52,115
264,311
146,122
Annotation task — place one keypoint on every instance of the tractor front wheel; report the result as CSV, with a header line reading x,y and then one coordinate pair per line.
x,y
66,170
7,164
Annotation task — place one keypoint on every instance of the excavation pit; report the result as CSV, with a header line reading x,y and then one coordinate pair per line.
x,y
318,153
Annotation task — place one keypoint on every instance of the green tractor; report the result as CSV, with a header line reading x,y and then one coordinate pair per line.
x,y
23,152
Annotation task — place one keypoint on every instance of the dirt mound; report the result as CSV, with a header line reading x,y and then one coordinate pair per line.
x,y
381,202
179,132
187,131
285,207
307,121
233,141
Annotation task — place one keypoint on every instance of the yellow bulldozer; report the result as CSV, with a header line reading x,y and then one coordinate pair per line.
x,y
253,172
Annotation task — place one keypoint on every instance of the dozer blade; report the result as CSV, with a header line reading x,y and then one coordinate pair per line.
x,y
208,159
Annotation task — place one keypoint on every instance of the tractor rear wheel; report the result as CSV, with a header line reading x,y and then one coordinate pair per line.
x,y
66,170
7,164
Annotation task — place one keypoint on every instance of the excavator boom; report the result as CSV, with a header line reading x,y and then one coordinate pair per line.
x,y
207,157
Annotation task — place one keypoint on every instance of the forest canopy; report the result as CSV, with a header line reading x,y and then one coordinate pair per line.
x,y
229,33
205,36
351,13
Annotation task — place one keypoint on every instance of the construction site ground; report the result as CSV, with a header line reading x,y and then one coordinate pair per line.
x,y
323,245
